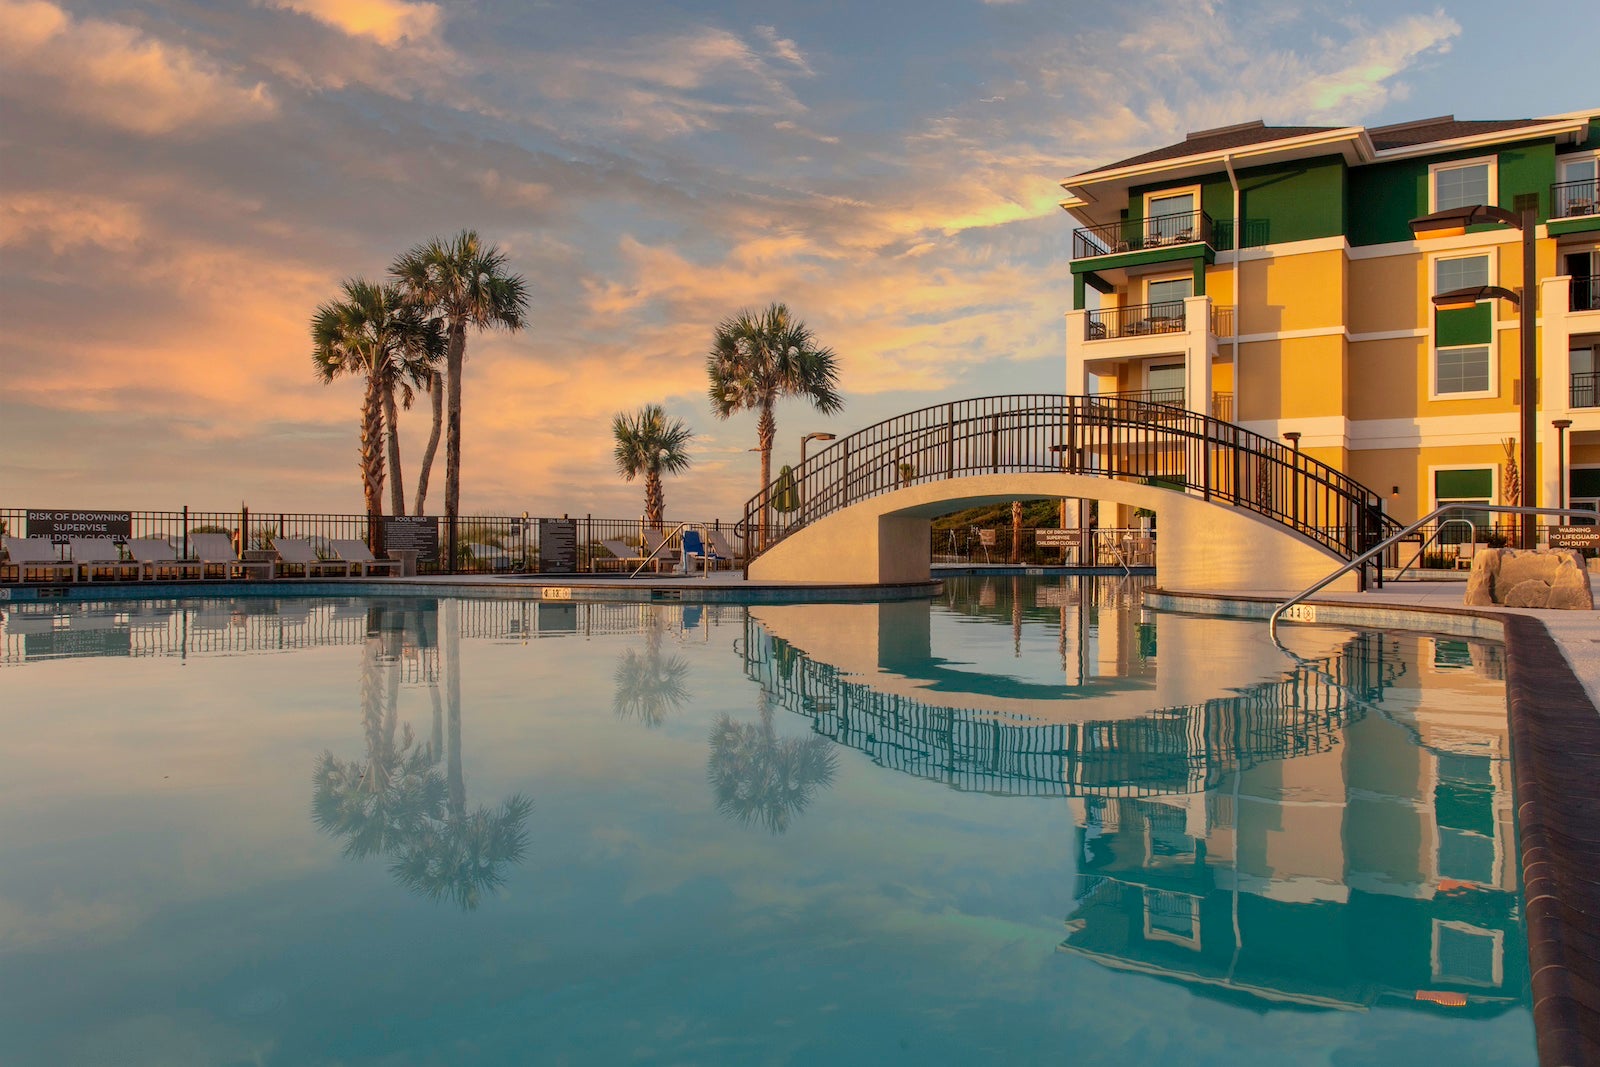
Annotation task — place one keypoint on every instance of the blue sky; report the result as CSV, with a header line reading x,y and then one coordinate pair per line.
x,y
184,183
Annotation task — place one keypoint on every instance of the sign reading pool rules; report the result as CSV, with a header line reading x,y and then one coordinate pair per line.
x,y
60,525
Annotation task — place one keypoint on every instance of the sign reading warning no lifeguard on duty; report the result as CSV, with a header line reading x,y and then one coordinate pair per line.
x,y
118,524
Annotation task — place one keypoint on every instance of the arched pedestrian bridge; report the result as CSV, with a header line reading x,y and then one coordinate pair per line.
x,y
1238,512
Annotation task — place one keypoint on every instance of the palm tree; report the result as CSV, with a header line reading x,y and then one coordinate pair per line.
x,y
435,387
758,777
465,282
415,369
372,332
756,360
649,442
649,687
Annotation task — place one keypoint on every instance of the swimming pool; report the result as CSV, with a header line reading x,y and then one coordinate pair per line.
x,y
1028,820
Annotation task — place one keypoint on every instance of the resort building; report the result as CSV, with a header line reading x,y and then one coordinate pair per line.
x,y
1269,275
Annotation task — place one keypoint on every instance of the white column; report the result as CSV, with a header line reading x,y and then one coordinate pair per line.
x,y
1555,378
1077,375
1197,354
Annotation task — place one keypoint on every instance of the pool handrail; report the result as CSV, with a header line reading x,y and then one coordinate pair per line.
x,y
665,541
1443,509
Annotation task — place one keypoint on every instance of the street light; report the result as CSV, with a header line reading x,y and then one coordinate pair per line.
x,y
1293,437
1453,222
1561,464
812,437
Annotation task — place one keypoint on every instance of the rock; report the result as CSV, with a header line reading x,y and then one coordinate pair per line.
x,y
1570,590
1529,593
1517,566
1480,581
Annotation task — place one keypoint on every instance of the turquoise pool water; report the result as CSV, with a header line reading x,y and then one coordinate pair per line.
x,y
1026,822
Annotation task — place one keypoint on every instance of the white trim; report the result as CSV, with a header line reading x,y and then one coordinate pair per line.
x,y
1502,236
1291,335
1491,163
1435,431
1431,262
1097,177
1387,335
1295,248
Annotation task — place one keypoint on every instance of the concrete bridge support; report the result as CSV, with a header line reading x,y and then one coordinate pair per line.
x,y
1202,546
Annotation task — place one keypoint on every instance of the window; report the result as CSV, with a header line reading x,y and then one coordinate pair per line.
x,y
1167,377
1461,370
1464,954
1170,217
1462,184
1578,192
1169,294
1472,486
1462,272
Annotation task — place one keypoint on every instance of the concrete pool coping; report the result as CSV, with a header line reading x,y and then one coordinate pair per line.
x,y
1552,677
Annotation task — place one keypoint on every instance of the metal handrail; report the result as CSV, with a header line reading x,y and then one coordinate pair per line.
x,y
1161,444
1472,539
665,541
1444,509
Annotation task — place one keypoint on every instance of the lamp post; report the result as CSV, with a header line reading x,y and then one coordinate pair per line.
x,y
1561,464
1453,222
1293,437
800,479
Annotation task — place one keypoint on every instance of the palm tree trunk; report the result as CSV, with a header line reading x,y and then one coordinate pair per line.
x,y
655,504
397,485
452,437
450,624
436,397
372,452
766,430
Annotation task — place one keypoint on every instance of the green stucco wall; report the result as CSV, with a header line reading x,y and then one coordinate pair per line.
x,y
1285,202
1385,197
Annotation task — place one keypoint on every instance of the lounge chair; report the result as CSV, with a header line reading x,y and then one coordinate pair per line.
x,y
656,548
217,557
626,555
295,553
157,559
722,550
99,557
35,560
356,553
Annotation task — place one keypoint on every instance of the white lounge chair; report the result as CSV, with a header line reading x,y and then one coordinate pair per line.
x,y
35,560
356,553
99,557
294,553
217,557
157,558
625,555
655,547
721,551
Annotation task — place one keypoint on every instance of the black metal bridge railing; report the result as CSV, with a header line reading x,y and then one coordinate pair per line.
x,y
1103,436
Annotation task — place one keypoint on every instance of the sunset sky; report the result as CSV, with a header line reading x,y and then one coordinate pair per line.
x,y
182,183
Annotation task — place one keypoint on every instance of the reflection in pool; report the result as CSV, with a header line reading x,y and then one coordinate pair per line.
x,y
1027,817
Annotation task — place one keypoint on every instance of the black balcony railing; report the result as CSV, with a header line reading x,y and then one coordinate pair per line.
x,y
1584,390
1221,403
1585,295
1222,320
1136,235
1574,198
1136,320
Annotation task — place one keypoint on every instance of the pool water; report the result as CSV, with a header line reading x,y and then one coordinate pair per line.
x,y
1027,821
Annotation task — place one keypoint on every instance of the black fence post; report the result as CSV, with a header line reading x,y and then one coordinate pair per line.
x,y
186,531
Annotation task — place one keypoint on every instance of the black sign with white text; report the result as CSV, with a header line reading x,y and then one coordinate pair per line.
x,y
1579,537
418,532
63,524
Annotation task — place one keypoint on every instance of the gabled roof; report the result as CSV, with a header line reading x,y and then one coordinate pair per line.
x,y
1247,133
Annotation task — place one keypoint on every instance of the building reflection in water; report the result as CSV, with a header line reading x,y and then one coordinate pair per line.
x,y
1334,835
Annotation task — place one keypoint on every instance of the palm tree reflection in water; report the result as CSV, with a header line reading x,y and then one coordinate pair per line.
x,y
397,803
758,777
649,688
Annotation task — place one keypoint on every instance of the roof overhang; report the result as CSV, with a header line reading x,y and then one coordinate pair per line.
x,y
1569,128
1104,192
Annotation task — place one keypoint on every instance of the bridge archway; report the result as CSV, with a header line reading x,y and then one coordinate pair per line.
x,y
1238,512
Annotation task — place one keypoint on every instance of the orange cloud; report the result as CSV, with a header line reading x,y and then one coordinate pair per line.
x,y
389,22
118,75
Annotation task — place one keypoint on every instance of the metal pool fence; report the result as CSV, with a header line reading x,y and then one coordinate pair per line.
x,y
484,543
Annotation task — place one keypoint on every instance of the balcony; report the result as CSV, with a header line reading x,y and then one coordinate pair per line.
x,y
1573,199
1139,235
1583,390
1584,294
1221,403
1143,320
